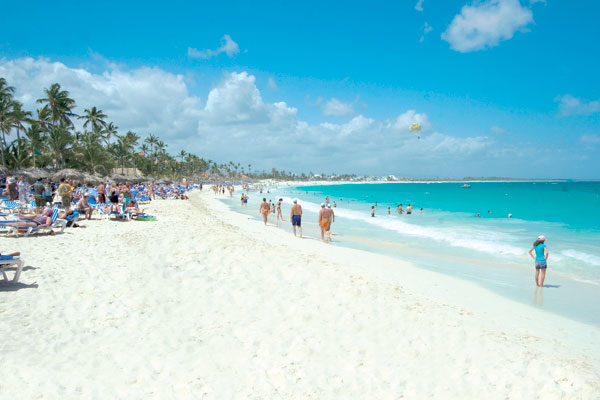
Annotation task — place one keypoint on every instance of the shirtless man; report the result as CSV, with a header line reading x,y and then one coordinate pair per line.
x,y
409,209
400,210
331,220
324,221
296,217
265,207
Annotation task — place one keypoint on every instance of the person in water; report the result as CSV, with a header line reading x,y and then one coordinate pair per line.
x,y
372,211
541,258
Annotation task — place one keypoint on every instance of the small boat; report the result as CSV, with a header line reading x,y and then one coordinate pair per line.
x,y
466,186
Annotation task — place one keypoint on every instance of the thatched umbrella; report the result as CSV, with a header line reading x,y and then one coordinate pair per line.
x,y
90,179
68,174
22,173
119,178
38,173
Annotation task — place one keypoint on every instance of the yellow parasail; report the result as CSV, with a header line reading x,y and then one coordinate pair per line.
x,y
415,127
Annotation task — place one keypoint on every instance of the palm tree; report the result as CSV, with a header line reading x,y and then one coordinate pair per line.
x,y
90,151
18,153
60,141
35,139
6,122
151,140
131,139
95,118
109,131
59,105
119,151
19,116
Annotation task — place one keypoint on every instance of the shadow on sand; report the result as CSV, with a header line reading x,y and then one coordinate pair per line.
x,y
11,286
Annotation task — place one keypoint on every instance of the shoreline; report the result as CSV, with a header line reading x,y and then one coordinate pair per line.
x,y
447,289
206,303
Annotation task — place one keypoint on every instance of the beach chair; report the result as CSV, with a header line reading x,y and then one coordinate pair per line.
x,y
6,261
26,231
72,218
8,205
120,215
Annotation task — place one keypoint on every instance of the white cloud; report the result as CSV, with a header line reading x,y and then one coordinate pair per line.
x,y
236,123
272,84
403,121
570,105
419,5
143,100
590,140
498,130
228,46
485,24
335,108
426,29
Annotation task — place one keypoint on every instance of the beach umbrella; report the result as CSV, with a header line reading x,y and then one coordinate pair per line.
x,y
117,178
38,173
22,173
90,179
68,173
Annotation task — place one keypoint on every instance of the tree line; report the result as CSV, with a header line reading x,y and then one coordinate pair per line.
x,y
48,138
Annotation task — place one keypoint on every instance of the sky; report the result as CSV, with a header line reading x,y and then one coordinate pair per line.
x,y
503,88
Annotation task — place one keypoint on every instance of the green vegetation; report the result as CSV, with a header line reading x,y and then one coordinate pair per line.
x,y
49,139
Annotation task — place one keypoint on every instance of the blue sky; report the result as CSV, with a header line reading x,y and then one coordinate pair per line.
x,y
501,87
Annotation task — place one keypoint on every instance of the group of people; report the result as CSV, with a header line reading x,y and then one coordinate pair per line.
x,y
326,216
77,198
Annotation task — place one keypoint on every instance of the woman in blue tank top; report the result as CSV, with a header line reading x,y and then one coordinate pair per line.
x,y
541,256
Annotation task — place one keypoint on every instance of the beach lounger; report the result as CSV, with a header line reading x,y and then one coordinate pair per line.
x,y
10,206
6,261
26,231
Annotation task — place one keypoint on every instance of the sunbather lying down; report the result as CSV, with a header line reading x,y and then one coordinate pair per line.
x,y
132,207
34,220
9,256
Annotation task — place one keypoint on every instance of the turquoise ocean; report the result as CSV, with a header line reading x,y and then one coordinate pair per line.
x,y
449,237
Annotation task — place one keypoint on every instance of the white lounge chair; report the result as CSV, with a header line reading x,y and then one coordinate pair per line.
x,y
56,224
13,261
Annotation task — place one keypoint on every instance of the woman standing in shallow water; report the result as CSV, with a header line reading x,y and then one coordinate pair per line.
x,y
541,256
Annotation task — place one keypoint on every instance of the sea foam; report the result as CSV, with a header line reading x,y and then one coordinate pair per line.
x,y
483,241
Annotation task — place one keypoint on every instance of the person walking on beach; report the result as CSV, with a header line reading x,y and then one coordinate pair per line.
x,y
324,221
331,216
38,195
296,217
541,258
279,215
264,209
64,191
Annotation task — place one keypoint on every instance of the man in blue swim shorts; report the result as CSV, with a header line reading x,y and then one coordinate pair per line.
x,y
296,217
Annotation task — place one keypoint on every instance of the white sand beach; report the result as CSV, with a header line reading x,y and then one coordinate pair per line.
x,y
207,304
